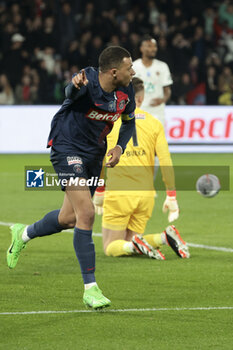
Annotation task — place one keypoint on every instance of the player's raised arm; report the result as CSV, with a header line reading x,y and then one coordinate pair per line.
x,y
80,79
77,87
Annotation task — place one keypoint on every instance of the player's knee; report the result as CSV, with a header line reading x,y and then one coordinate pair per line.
x,y
67,221
87,217
70,224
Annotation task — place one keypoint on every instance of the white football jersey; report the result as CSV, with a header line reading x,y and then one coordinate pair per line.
x,y
155,78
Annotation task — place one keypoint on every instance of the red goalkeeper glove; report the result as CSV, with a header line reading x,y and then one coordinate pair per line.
x,y
171,205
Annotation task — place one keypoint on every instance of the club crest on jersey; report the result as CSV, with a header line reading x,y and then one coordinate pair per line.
x,y
78,168
122,104
74,160
97,115
112,106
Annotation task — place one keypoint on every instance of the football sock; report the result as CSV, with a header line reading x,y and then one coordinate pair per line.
x,y
154,239
25,237
85,252
119,247
128,247
46,226
89,285
163,238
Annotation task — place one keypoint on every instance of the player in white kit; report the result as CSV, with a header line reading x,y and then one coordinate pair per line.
x,y
156,77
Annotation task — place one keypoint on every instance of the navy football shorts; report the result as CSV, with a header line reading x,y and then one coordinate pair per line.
x,y
72,165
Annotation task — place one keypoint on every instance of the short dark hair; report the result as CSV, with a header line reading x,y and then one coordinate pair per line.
x,y
147,37
112,57
137,85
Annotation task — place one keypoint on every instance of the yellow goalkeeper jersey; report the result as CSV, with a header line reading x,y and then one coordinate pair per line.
x,y
134,174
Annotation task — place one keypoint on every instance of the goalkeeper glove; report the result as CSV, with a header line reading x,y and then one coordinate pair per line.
x,y
171,205
98,200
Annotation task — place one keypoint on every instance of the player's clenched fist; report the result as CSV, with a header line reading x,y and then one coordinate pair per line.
x,y
80,79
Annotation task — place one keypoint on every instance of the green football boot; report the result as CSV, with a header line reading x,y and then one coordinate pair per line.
x,y
17,244
95,299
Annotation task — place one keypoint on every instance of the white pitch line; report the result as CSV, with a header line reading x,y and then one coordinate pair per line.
x,y
118,310
194,245
221,249
2,223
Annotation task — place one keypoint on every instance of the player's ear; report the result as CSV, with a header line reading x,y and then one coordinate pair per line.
x,y
140,99
114,70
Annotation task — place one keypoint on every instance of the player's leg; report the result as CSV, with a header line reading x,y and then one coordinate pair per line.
x,y
53,222
115,244
83,207
136,227
66,217
142,247
126,242
171,237
116,215
155,239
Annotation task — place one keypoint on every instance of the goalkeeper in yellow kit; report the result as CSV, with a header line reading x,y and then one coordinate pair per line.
x,y
128,201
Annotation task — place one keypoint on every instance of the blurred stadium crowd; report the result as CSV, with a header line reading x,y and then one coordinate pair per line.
x,y
43,42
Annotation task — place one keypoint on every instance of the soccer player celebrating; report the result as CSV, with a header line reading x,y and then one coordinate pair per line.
x,y
156,77
95,99
129,198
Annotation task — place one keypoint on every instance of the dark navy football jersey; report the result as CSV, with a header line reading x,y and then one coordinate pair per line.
x,y
83,121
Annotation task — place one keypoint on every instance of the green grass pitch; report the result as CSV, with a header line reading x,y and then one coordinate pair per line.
x,y
174,294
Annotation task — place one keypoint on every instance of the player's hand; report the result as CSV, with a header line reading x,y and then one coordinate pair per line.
x,y
80,79
115,154
171,205
156,102
98,200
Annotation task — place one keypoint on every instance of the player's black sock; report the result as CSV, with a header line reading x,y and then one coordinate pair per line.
x,y
85,252
46,226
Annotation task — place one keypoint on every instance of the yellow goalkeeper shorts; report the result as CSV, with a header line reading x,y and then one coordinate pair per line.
x,y
121,212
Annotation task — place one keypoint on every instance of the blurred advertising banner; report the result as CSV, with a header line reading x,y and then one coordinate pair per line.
x,y
24,129
199,128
